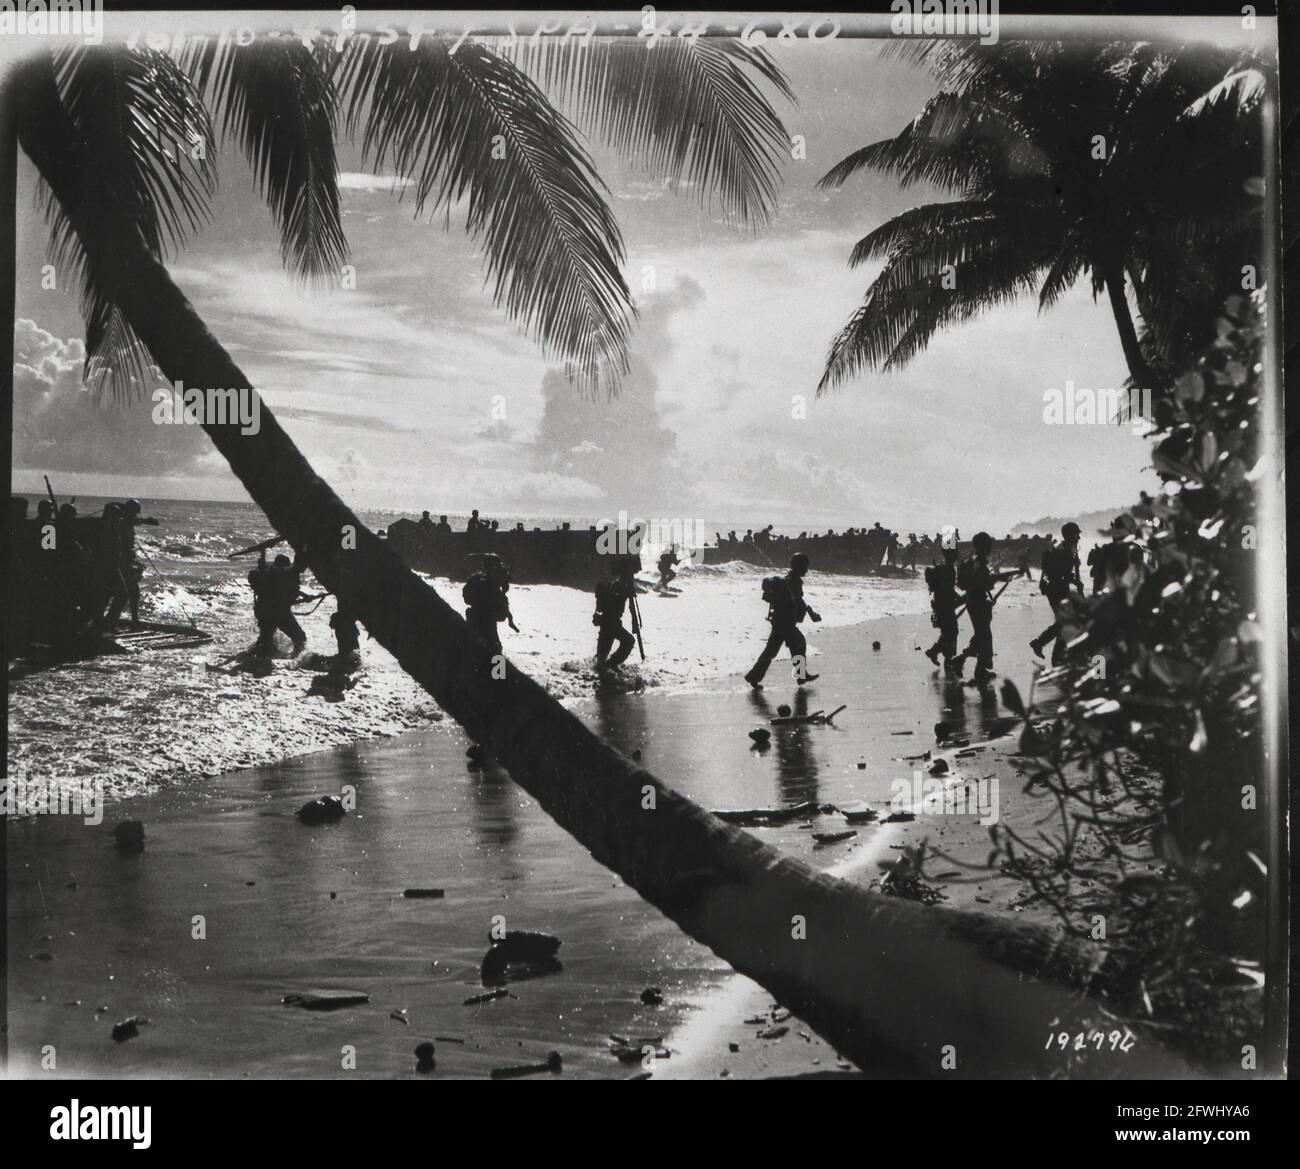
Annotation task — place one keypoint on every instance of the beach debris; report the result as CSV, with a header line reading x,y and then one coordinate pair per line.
x,y
939,767
42,956
763,817
424,894
488,996
862,763
875,645
818,718
903,878
941,730
449,1039
636,755
762,737
520,954
129,836
400,1016
733,1048
554,1065
329,1000
823,838
776,1031
899,818
634,1050
128,1028
755,1020
425,1060
784,711
858,812
652,996
325,810
779,1014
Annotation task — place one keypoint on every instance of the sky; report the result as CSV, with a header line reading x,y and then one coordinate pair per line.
x,y
414,391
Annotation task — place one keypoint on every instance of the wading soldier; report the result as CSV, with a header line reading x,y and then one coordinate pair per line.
x,y
944,600
612,597
786,609
485,595
976,579
1060,575
275,588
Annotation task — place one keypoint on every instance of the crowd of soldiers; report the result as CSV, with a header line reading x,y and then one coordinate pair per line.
x,y
971,585
71,576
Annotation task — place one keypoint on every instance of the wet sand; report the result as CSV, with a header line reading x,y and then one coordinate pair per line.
x,y
290,908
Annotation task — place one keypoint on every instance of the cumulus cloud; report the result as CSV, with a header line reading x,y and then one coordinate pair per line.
x,y
58,426
360,181
621,445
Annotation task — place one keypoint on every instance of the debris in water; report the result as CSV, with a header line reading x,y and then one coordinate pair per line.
x,y
518,955
822,838
325,810
652,996
326,1000
554,1064
128,1028
487,996
427,894
129,835
760,817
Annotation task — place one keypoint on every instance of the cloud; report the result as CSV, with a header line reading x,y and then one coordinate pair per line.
x,y
59,427
360,181
622,445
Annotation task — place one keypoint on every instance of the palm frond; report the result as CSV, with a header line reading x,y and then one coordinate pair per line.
x,y
909,302
956,143
471,126
688,109
276,96
148,145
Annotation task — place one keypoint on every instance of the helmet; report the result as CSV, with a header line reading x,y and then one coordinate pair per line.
x,y
1070,531
982,541
799,561
282,561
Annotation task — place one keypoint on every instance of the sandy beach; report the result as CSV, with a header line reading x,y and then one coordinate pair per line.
x,y
97,935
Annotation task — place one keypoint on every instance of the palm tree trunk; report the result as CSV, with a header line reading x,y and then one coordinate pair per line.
x,y
889,983
1144,377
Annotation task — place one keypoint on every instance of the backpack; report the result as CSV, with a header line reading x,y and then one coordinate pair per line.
x,y
966,575
774,590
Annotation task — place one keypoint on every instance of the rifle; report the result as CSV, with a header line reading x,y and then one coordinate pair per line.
x,y
636,622
1021,571
262,547
54,502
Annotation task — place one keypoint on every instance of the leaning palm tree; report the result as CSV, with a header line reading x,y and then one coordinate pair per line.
x,y
871,973
1135,165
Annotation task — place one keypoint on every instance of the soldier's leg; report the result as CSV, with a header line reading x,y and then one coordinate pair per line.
x,y
775,640
288,624
625,643
604,639
798,644
983,641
